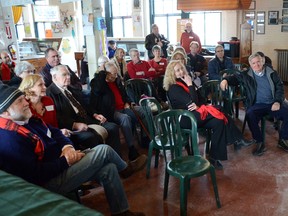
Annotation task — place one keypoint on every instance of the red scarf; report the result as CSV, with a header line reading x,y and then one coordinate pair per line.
x,y
203,109
9,125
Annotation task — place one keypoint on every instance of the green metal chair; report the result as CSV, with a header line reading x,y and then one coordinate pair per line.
x,y
183,167
234,95
146,103
212,93
137,88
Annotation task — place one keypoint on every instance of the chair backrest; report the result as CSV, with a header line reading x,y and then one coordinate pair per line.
x,y
212,92
137,88
169,129
151,108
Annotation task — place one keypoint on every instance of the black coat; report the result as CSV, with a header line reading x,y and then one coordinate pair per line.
x,y
102,99
152,40
66,115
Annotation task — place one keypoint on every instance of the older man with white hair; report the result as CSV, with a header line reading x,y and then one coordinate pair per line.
x,y
264,96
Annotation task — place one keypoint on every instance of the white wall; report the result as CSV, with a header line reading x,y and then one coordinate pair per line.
x,y
273,37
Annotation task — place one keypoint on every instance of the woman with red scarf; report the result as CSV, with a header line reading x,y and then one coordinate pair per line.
x,y
183,95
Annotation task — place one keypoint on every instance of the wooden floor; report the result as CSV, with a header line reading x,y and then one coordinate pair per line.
x,y
248,185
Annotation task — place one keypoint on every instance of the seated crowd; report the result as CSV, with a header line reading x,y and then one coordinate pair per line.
x,y
58,136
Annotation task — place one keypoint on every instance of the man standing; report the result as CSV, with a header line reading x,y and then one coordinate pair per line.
x,y
42,155
188,36
264,95
156,39
6,67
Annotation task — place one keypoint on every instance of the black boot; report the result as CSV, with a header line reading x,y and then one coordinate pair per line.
x,y
259,149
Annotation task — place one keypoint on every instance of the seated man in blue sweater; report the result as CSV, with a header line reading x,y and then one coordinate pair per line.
x,y
264,95
42,155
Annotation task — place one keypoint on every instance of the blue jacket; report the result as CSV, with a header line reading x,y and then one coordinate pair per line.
x,y
17,154
214,67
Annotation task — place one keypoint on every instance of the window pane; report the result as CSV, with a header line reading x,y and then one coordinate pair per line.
x,y
212,28
117,28
162,25
207,25
172,26
41,30
165,6
128,30
122,7
198,25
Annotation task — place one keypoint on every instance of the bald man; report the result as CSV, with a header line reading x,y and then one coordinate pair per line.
x,y
188,36
6,67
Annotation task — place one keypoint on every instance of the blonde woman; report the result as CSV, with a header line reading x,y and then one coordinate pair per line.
x,y
119,61
183,95
43,107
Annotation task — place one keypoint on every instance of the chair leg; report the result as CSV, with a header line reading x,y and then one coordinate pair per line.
x,y
213,178
166,183
237,109
157,152
183,196
244,124
208,142
150,152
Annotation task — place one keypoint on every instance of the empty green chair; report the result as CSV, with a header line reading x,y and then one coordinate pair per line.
x,y
183,167
151,107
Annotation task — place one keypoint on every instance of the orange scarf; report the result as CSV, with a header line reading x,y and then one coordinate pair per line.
x,y
9,125
204,110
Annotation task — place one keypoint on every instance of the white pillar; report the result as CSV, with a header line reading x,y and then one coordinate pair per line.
x,y
93,42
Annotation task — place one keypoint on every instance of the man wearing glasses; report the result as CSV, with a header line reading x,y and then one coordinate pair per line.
x,y
219,63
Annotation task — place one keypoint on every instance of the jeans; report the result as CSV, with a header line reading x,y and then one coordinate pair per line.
x,y
126,119
102,164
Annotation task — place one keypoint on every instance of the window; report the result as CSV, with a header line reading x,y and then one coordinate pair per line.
x,y
207,25
20,29
121,11
166,15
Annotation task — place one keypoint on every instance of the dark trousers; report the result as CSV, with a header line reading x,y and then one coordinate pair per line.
x,y
257,111
221,135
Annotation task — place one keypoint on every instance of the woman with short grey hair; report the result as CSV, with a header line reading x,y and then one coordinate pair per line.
x,y
21,70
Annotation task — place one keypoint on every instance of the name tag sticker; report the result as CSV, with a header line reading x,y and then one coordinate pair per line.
x,y
49,108
191,37
48,133
161,63
139,73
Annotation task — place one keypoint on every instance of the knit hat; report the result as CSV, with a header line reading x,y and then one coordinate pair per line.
x,y
7,96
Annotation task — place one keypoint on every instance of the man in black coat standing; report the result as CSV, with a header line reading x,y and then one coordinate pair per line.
x,y
156,39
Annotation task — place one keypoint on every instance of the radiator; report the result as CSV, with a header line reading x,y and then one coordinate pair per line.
x,y
282,61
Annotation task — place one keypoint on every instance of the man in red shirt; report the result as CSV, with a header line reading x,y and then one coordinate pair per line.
x,y
139,68
188,36
7,67
109,98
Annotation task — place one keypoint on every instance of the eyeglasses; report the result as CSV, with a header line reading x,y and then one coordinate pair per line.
x,y
30,71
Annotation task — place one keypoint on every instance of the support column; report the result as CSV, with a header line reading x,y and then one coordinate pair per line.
x,y
94,43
